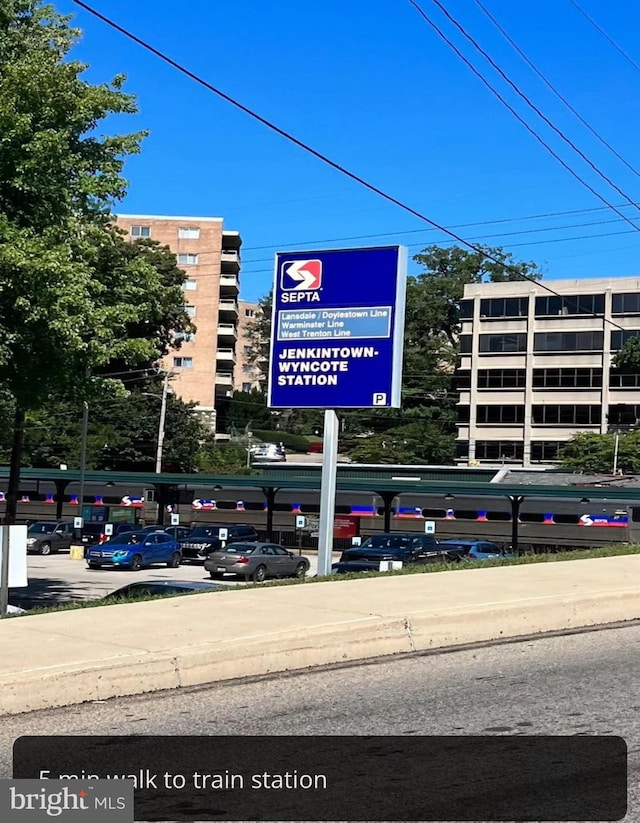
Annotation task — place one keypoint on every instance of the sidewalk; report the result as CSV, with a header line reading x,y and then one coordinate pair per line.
x,y
71,657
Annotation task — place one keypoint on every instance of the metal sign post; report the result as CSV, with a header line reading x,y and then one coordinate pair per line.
x,y
337,337
301,522
4,572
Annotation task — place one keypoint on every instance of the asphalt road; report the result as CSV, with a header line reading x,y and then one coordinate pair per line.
x,y
586,684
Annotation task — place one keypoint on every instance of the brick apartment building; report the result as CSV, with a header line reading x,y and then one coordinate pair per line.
x,y
203,368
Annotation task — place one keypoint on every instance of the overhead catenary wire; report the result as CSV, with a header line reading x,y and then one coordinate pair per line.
x,y
529,103
337,166
606,36
553,88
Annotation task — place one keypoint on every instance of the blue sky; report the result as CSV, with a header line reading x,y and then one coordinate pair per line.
x,y
368,83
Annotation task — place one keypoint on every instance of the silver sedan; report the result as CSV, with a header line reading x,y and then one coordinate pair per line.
x,y
256,561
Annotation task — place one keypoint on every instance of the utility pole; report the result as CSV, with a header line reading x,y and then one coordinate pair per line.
x,y
83,460
163,417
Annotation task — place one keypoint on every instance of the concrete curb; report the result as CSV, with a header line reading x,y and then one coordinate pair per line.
x,y
346,639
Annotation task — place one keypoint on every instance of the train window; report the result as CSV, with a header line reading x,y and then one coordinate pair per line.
x,y
570,519
498,516
635,514
531,517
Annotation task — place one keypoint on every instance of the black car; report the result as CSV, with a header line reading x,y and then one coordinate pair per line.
x,y
177,532
408,549
204,540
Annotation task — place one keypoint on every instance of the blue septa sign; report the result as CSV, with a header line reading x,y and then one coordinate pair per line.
x,y
338,328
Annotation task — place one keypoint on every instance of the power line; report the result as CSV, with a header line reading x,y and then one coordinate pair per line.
x,y
607,37
341,169
529,103
555,91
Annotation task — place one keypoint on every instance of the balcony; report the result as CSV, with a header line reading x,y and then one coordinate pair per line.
x,y
229,284
227,330
228,306
226,356
230,260
224,378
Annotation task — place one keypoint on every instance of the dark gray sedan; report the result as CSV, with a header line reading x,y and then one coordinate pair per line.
x,y
256,561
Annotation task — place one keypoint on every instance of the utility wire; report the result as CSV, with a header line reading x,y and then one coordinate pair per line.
x,y
607,37
553,88
341,169
529,103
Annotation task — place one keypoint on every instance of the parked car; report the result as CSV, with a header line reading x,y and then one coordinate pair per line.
x,y
177,532
133,550
94,534
268,453
256,561
406,548
161,588
203,540
49,537
470,549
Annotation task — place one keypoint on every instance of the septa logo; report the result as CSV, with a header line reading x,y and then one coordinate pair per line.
x,y
302,275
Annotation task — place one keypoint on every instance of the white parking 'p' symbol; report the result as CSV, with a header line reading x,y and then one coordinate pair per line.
x,y
380,399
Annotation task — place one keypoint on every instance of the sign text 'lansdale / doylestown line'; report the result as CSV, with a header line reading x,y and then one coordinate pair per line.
x,y
314,324
318,365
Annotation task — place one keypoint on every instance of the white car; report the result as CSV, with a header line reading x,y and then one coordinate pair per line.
x,y
269,452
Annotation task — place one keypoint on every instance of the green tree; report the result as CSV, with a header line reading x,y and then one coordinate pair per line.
x,y
627,360
593,453
74,299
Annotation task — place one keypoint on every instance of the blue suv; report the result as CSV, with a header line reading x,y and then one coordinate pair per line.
x,y
133,550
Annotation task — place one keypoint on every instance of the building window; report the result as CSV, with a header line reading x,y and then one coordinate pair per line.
x,y
553,306
501,378
567,378
623,415
462,379
188,233
462,449
187,259
183,362
566,415
619,338
463,413
568,341
504,307
465,341
620,380
499,450
499,414
465,309
545,451
249,313
503,343
628,303
140,231
247,386
190,310
190,285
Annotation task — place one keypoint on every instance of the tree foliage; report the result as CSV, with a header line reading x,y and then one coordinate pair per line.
x,y
593,453
77,302
627,360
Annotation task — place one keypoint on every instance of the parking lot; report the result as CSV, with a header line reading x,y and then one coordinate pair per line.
x,y
57,579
